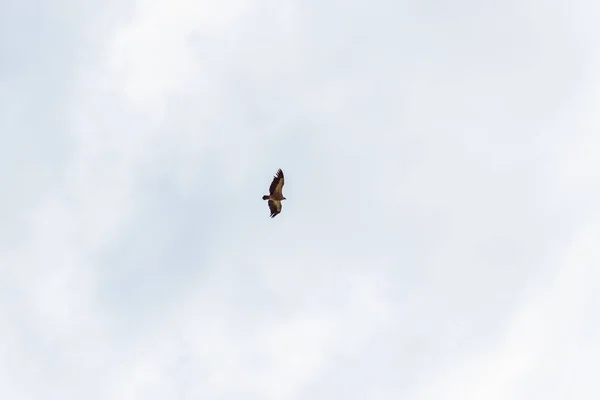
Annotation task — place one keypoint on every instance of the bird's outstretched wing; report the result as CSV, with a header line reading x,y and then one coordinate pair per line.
x,y
277,184
275,207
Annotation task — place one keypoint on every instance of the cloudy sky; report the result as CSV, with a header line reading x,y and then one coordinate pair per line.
x,y
440,237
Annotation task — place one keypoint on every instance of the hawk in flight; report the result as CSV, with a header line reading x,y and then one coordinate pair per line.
x,y
275,194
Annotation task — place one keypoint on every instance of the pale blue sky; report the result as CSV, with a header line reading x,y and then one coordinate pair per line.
x,y
439,240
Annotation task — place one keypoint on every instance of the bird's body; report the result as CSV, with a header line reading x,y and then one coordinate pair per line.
x,y
275,195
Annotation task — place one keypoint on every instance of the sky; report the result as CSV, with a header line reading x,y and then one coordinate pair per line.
x,y
440,234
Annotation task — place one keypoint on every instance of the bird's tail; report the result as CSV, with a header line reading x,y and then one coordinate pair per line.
x,y
266,197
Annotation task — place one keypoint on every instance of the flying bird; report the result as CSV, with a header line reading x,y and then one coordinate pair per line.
x,y
275,194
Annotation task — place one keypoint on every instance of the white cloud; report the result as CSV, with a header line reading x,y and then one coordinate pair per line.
x,y
266,341
537,342
438,237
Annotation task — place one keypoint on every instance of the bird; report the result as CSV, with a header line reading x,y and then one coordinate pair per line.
x,y
275,195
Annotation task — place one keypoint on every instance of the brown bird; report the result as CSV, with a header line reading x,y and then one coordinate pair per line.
x,y
275,194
